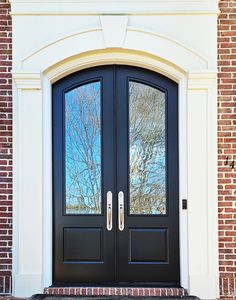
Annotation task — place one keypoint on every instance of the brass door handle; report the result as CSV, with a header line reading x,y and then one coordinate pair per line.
x,y
109,210
121,215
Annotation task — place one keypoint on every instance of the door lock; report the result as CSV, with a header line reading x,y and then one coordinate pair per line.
x,y
184,204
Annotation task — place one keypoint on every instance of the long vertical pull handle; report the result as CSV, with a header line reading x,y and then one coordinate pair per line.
x,y
109,210
121,215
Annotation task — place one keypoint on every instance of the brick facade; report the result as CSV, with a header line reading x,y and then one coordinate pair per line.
x,y
5,147
227,146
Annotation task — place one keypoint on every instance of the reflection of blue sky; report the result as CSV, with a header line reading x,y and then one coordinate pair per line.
x,y
83,149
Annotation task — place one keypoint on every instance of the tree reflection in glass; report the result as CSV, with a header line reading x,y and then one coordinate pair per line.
x,y
83,149
147,149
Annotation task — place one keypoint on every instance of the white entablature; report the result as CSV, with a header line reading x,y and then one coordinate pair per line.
x,y
97,7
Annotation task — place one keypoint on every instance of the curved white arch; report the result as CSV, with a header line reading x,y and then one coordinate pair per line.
x,y
92,39
171,40
113,56
42,48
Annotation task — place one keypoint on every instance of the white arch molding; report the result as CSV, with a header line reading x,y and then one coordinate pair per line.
x,y
101,38
32,121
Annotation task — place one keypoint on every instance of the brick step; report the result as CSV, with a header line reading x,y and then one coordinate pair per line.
x,y
116,291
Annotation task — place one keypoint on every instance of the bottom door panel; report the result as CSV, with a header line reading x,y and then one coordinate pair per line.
x,y
148,246
83,245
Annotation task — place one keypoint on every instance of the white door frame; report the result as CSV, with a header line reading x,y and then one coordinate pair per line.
x,y
47,175
33,152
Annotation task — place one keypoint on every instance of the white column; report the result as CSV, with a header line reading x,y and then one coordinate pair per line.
x,y
202,185
27,226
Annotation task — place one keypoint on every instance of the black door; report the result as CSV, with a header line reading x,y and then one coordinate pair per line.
x,y
115,177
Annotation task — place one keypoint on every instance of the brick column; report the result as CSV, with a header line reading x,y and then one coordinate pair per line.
x,y
227,146
5,148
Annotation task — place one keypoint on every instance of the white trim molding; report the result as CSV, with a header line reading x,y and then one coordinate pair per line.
x,y
93,44
98,7
27,80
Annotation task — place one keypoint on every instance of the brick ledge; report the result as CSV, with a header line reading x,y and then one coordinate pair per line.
x,y
116,291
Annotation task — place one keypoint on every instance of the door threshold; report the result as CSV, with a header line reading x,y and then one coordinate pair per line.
x,y
130,291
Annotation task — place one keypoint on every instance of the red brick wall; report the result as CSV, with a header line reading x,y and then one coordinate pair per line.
x,y
227,146
5,148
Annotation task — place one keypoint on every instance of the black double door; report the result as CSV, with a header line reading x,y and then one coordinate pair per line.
x,y
115,177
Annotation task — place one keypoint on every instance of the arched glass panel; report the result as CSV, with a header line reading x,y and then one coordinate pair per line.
x,y
83,149
147,153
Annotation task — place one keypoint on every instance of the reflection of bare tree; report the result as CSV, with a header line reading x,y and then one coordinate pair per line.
x,y
147,150
83,149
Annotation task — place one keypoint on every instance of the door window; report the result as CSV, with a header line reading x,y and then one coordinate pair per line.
x,y
147,155
83,149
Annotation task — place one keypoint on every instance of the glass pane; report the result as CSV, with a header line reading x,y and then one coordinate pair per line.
x,y
83,149
147,150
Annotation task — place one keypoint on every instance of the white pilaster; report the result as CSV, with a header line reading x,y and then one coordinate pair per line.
x,y
202,182
27,215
